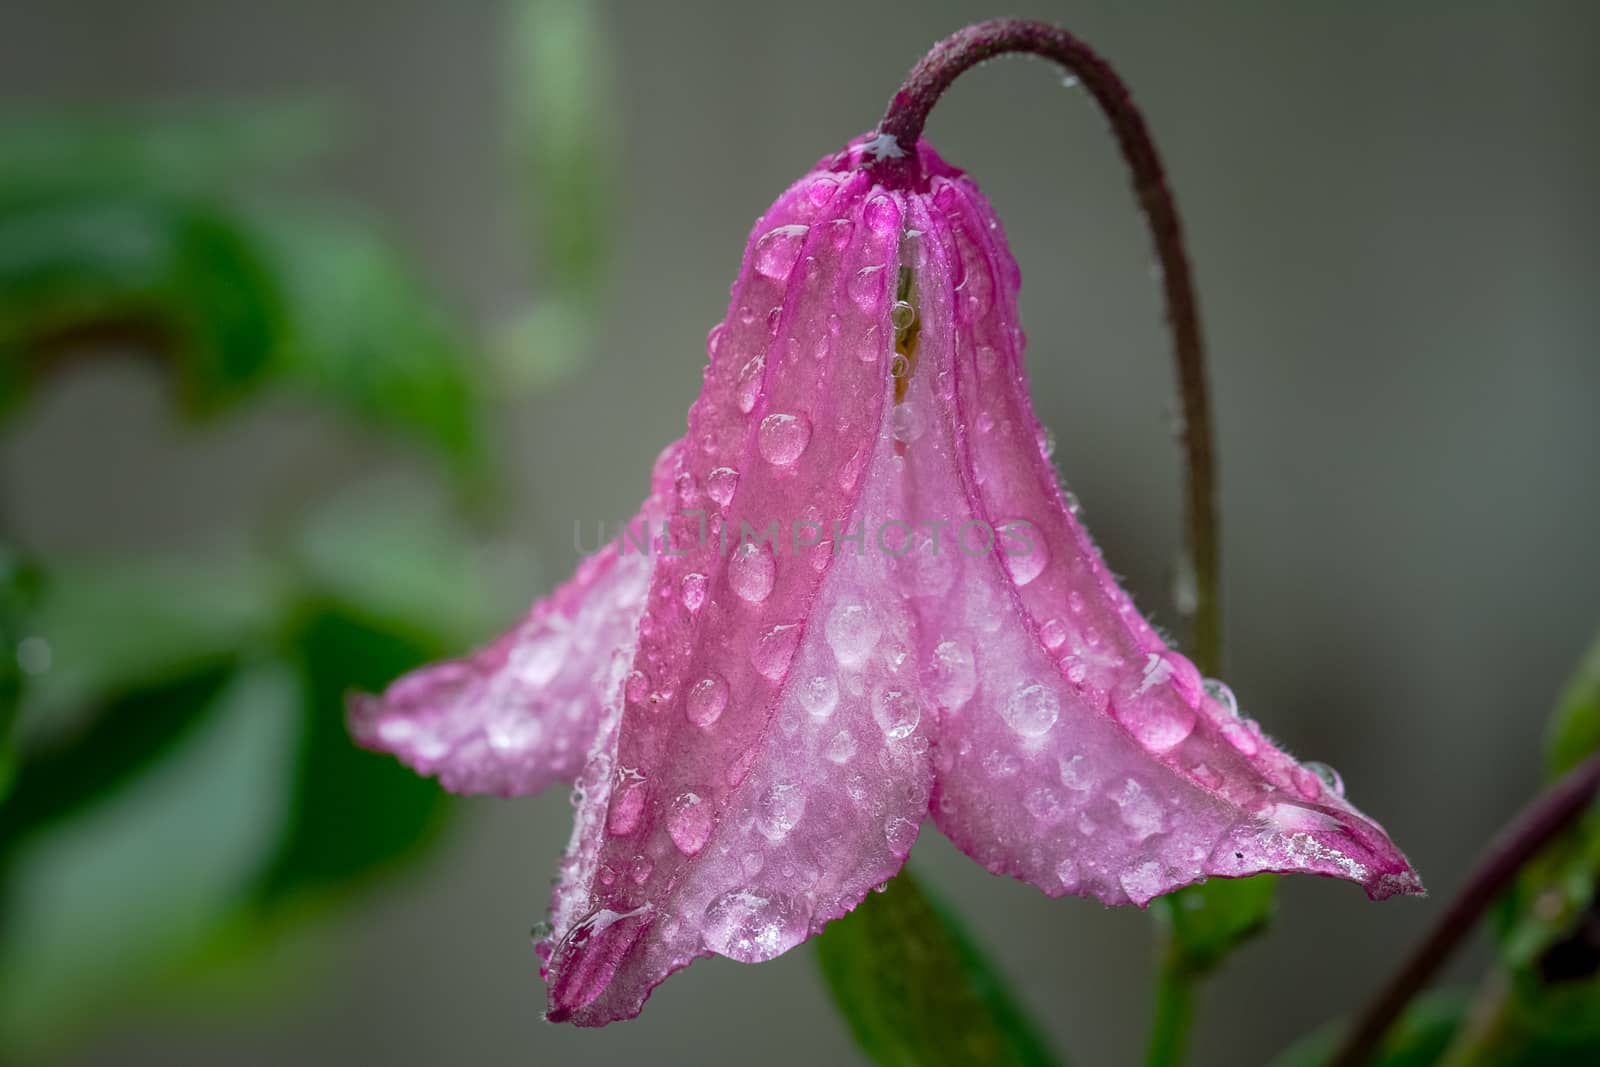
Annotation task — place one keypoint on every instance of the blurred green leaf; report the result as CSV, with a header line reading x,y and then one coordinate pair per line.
x,y
1419,1039
1575,726
354,812
564,135
916,990
186,147
137,269
115,626
19,590
1208,921
1549,922
362,334
97,912
132,730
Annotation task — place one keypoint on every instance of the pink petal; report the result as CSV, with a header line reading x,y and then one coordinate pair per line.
x,y
523,713
785,770
1088,757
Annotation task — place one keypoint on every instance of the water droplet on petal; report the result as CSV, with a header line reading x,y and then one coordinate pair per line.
x,y
1053,633
1219,693
866,288
752,571
953,675
1153,713
906,422
852,631
1330,777
902,315
782,438
1023,550
1031,710
692,589
706,701
819,695
842,748
882,214
779,809
777,250
774,650
721,483
1077,773
689,823
754,926
896,711
820,191
899,833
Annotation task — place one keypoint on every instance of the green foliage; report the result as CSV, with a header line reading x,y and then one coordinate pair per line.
x,y
1208,921
1419,1039
194,786
142,236
1549,922
915,989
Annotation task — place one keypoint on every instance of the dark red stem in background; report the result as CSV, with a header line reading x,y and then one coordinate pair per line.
x,y
908,113
1538,824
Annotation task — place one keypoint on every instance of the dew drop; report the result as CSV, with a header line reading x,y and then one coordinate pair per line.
x,y
692,590
1053,633
689,823
852,631
1043,804
1330,777
821,191
753,926
900,366
707,700
819,695
896,711
747,390
779,809
774,649
1220,694
899,833
721,483
782,438
1242,738
882,214
842,748
866,288
906,422
752,571
902,315
1077,773
777,250
1154,714
953,675
1032,710
1022,549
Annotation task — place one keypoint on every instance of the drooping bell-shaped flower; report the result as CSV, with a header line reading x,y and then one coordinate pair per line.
x,y
857,598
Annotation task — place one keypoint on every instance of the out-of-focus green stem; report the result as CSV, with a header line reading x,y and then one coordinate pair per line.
x,y
1174,1011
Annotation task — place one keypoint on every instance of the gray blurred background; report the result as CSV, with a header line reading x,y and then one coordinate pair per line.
x,y
1391,210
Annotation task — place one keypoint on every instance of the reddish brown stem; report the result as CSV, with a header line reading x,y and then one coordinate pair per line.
x,y
904,120
1525,837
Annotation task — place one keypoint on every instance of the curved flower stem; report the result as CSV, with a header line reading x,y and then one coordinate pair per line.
x,y
1550,813
904,120
898,165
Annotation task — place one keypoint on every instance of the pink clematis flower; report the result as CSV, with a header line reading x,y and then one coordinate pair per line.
x,y
857,598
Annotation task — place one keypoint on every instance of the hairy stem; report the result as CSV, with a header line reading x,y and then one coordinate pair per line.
x,y
1540,822
904,120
